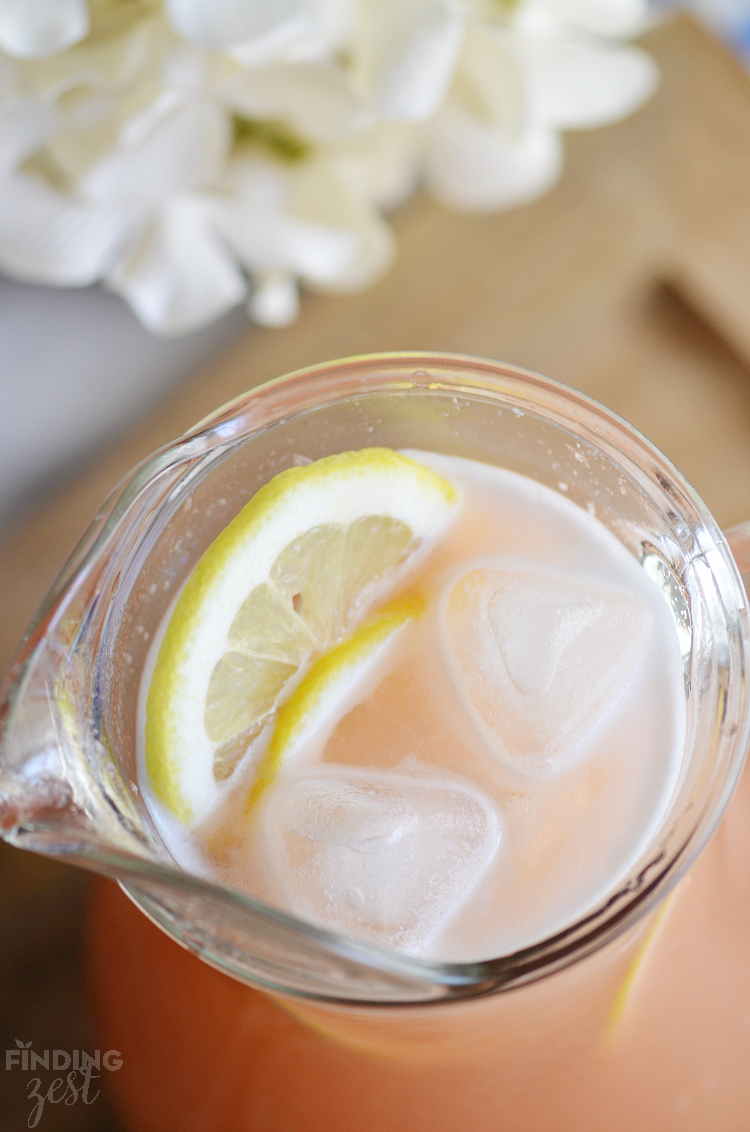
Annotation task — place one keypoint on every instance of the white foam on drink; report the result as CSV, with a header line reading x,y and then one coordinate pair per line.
x,y
384,856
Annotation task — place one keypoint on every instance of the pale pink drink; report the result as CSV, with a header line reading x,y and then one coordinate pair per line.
x,y
573,962
500,768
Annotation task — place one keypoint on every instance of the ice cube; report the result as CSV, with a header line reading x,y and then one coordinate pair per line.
x,y
541,656
379,855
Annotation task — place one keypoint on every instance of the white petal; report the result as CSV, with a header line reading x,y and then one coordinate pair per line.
x,y
316,33
274,301
314,100
382,167
319,253
136,130
110,65
33,29
186,149
225,23
321,196
11,83
473,167
97,86
25,124
280,43
326,32
262,185
574,85
187,69
255,223
249,213
47,238
615,18
179,277
490,79
404,54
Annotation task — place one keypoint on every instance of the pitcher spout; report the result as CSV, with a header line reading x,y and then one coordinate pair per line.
x,y
60,788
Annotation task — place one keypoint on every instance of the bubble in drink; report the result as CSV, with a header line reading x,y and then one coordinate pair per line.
x,y
381,856
541,656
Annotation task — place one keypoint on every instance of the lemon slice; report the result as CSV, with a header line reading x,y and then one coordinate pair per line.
x,y
289,578
324,693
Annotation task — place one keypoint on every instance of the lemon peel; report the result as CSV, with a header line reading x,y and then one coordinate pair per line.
x,y
327,683
291,575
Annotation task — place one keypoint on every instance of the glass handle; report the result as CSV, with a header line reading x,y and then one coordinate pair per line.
x,y
739,543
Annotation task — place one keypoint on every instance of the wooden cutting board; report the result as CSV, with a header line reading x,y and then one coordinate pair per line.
x,y
631,282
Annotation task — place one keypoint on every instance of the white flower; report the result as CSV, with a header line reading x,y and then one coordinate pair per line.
x,y
194,154
150,215
174,271
201,216
45,236
303,222
495,141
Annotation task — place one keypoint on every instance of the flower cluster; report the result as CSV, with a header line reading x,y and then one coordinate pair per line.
x,y
195,154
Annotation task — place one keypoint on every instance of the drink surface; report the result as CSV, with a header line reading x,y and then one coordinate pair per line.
x,y
500,766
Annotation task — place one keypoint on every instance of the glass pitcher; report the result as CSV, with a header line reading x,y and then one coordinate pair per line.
x,y
632,1017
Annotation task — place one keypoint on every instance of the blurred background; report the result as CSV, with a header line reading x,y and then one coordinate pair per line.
x,y
629,280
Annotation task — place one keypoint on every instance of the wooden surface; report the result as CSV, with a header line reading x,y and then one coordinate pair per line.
x,y
630,282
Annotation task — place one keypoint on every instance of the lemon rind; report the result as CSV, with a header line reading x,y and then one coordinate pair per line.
x,y
339,488
327,683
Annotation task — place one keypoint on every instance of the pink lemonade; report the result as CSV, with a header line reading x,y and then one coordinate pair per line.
x,y
540,819
531,762
501,765
478,861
